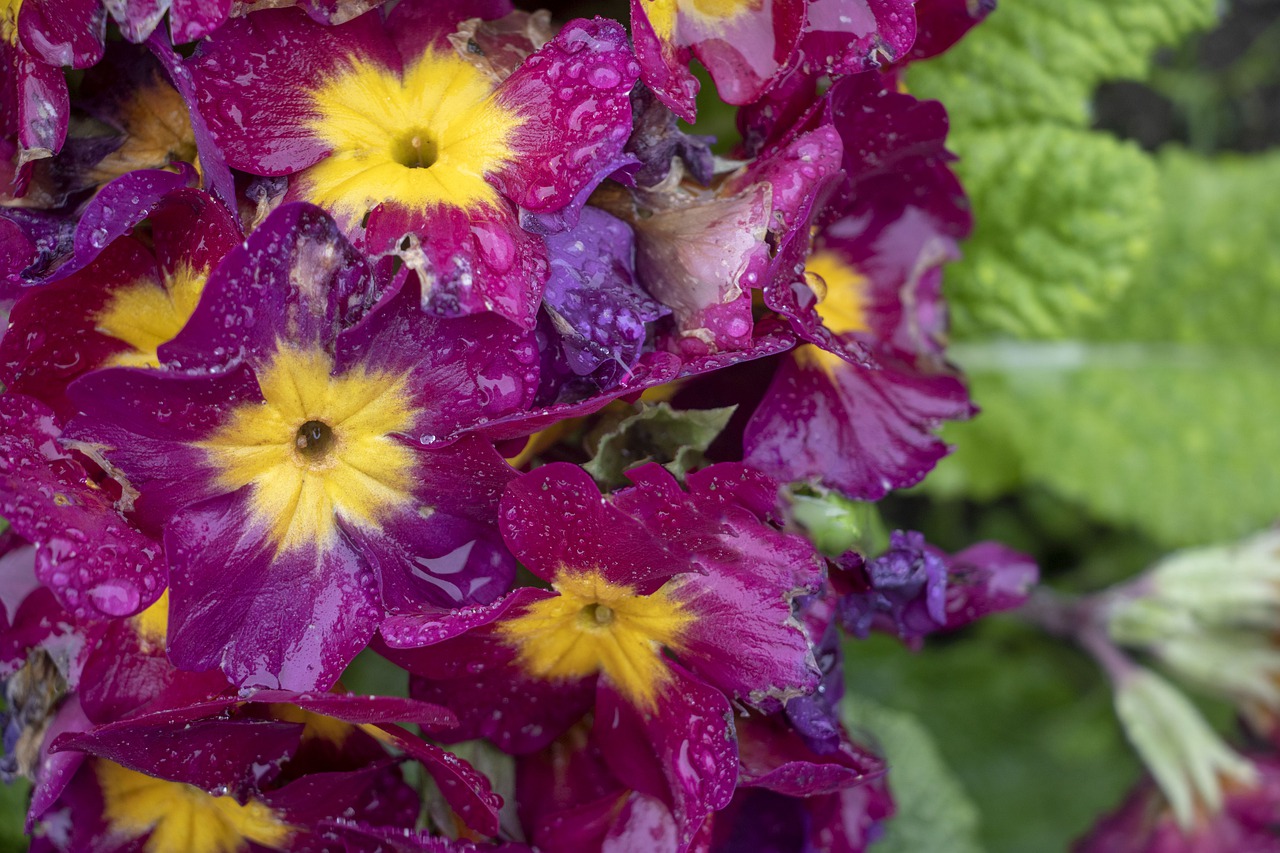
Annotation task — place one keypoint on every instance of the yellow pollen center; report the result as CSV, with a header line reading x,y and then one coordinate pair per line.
x,y
709,14
149,313
152,624
9,20
182,817
157,131
841,291
317,448
425,138
594,626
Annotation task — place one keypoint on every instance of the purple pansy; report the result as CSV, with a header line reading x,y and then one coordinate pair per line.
x,y
748,48
701,574
303,463
129,300
858,409
914,589
442,163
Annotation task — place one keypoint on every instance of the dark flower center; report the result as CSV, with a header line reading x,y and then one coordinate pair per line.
x,y
597,614
314,439
417,151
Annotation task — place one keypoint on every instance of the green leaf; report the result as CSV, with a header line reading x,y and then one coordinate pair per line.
x,y
1040,60
933,811
836,524
674,437
1162,414
1063,217
1023,722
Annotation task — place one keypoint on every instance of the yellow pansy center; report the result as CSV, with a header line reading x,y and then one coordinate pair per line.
x,y
317,448
152,624
421,139
157,131
842,297
182,817
314,726
710,14
149,313
594,626
9,20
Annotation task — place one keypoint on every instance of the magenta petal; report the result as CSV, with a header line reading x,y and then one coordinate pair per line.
x,y
256,292
148,418
418,25
57,769
848,36
862,431
942,23
689,741
52,336
475,260
193,19
262,128
745,52
469,370
34,99
986,578
467,790
213,163
359,710
653,369
95,562
554,518
575,92
418,630
212,754
291,620
63,32
117,208
776,757
189,229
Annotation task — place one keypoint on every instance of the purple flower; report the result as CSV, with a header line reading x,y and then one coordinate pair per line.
x,y
914,589
858,410
417,150
303,465
119,309
749,47
664,605
1244,823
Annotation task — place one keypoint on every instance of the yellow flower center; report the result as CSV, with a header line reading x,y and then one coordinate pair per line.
x,y
9,20
182,817
149,313
152,624
710,14
158,131
595,626
423,139
317,448
314,726
842,300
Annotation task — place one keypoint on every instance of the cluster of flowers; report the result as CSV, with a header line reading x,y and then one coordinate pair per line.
x,y
320,331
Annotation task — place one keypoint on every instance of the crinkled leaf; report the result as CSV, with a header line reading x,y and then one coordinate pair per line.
x,y
1162,414
658,433
1037,60
1063,217
934,812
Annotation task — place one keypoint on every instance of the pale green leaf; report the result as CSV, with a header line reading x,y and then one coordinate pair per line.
x,y
933,811
676,438
1040,60
1165,417
1063,216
